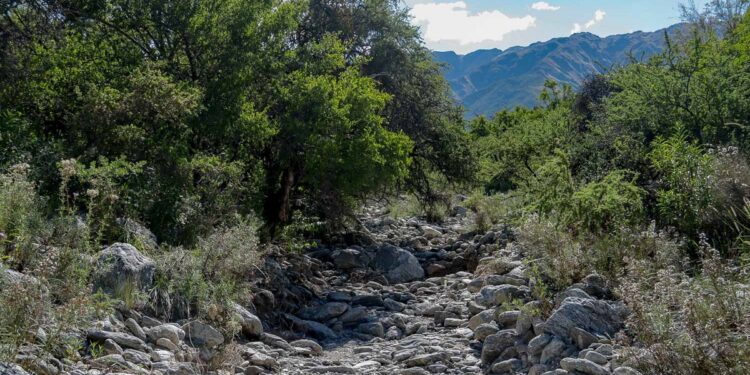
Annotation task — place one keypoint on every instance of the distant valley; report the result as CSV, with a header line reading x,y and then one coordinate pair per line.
x,y
487,81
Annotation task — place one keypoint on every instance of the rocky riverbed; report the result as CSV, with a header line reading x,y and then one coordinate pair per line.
x,y
410,298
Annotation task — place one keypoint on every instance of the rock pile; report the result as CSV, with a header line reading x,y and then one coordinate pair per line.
x,y
408,302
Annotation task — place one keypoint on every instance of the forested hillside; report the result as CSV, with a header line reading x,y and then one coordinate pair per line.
x,y
251,187
488,81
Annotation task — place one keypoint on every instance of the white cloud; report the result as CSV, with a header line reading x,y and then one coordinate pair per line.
x,y
598,17
454,22
543,5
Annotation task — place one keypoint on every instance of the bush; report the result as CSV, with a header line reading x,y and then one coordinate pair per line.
x,y
689,325
21,216
685,195
555,253
608,204
493,209
203,281
562,257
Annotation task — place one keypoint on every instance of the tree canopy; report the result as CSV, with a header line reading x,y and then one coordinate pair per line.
x,y
230,106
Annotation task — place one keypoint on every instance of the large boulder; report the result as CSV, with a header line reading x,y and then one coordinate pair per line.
x,y
312,328
165,331
11,369
10,278
495,295
202,335
324,312
346,259
496,344
123,339
120,264
397,265
597,317
251,324
582,366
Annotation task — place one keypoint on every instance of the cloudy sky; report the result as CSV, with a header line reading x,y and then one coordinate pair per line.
x,y
467,25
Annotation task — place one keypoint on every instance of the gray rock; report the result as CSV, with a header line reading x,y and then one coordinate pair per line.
x,y
137,357
494,295
338,296
308,344
175,368
135,329
111,347
251,324
594,316
10,277
120,264
354,315
347,259
537,344
167,344
599,359
507,319
583,366
374,329
149,322
159,355
254,370
483,330
312,328
139,234
39,366
425,359
122,339
263,360
332,370
429,232
369,300
393,333
624,370
552,352
494,345
367,366
11,369
275,341
113,361
504,279
397,265
483,317
413,371
324,312
507,367
393,305
168,331
200,335
572,292
453,322
581,338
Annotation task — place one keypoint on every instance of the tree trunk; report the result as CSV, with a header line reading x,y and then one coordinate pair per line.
x,y
277,205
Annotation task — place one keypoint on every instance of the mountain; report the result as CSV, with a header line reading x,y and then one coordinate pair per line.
x,y
486,81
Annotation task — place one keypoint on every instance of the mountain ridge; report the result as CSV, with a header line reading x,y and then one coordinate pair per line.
x,y
489,80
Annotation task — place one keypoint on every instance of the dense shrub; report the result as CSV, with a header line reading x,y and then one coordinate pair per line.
x,y
602,206
203,281
21,216
689,325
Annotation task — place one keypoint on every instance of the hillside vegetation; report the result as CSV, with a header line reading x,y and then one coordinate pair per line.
x,y
183,183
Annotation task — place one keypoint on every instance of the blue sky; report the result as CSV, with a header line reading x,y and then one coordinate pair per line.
x,y
467,25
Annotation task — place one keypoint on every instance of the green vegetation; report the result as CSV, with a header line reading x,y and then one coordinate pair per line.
x,y
192,119
187,114
642,176
225,125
